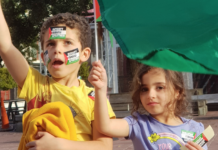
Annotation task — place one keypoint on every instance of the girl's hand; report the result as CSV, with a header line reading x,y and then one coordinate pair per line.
x,y
193,146
98,76
45,141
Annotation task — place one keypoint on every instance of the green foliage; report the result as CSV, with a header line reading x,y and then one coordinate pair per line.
x,y
6,80
84,71
25,18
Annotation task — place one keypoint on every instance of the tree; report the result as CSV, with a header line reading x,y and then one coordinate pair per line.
x,y
84,71
25,18
6,80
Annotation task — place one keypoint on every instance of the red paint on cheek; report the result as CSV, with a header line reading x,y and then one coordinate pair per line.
x,y
66,58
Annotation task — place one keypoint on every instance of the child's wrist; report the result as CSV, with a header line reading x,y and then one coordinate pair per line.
x,y
59,143
102,89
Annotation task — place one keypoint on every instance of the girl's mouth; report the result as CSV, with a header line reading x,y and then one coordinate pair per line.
x,y
152,103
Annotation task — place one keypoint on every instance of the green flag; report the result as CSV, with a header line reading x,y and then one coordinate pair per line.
x,y
180,35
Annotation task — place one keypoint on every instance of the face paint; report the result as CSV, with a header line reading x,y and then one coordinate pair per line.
x,y
57,33
46,58
71,56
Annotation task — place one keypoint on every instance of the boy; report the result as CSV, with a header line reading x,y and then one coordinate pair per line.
x,y
65,40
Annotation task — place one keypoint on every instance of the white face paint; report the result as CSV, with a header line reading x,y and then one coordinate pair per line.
x,y
71,56
57,33
46,58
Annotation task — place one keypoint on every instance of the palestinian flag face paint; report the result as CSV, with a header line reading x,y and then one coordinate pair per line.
x,y
71,56
46,58
57,33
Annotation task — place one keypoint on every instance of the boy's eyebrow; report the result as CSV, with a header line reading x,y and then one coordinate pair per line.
x,y
49,41
61,39
69,39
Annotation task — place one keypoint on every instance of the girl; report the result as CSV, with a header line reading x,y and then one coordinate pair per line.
x,y
161,94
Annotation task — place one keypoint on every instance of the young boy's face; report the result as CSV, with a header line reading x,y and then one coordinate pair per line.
x,y
63,52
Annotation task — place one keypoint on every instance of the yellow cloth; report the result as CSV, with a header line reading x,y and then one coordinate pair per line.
x,y
39,90
55,118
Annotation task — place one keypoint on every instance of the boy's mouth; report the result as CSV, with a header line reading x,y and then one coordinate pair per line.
x,y
57,63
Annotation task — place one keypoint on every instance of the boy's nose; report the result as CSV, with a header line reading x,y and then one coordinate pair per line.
x,y
58,49
57,52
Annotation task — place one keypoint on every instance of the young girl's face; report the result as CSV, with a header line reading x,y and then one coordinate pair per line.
x,y
154,93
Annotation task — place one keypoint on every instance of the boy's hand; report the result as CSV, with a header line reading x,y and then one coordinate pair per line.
x,y
98,76
193,146
45,141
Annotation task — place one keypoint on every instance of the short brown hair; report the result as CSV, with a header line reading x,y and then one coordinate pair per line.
x,y
71,21
173,79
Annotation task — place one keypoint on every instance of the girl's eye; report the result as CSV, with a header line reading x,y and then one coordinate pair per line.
x,y
144,89
160,87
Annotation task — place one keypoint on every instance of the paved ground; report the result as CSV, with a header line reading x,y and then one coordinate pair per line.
x,y
10,140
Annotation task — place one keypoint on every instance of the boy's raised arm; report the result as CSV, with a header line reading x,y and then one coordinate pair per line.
x,y
13,59
105,125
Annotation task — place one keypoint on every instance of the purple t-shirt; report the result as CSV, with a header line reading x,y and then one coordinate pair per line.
x,y
147,133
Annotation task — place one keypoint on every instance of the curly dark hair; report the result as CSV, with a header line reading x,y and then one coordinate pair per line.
x,y
71,21
174,81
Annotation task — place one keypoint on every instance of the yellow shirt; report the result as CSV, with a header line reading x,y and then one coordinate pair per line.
x,y
54,118
39,90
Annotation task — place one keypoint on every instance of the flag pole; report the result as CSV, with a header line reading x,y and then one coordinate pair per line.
x,y
96,34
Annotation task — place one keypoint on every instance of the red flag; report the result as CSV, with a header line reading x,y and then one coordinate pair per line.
x,y
97,10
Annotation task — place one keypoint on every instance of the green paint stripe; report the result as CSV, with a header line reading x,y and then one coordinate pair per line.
x,y
68,63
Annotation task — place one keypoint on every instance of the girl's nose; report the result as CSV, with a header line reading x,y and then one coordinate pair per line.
x,y
152,93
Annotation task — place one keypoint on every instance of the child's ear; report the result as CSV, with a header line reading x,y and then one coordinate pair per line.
x,y
177,94
42,56
85,54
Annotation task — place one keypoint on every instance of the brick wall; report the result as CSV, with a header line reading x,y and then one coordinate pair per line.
x,y
124,72
124,83
5,95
